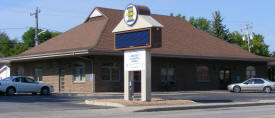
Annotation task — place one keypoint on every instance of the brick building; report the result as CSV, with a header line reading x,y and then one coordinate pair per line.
x,y
83,60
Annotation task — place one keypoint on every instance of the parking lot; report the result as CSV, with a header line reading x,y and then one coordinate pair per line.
x,y
36,103
56,102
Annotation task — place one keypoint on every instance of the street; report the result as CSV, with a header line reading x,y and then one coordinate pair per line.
x,y
233,112
55,106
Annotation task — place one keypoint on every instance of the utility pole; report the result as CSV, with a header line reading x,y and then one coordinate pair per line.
x,y
248,36
37,11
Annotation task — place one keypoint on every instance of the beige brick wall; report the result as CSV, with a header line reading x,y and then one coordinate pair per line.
x,y
51,73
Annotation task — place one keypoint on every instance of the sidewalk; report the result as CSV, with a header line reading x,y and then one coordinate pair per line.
x,y
192,106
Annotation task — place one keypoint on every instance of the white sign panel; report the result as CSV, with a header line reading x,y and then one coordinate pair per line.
x,y
134,60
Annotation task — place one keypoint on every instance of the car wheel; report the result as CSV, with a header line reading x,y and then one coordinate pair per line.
x,y
267,89
237,89
10,91
45,91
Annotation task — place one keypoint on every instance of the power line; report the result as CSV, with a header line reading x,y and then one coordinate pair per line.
x,y
13,28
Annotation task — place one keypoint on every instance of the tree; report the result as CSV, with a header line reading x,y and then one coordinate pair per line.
x,y
258,45
13,47
6,44
218,29
28,36
200,23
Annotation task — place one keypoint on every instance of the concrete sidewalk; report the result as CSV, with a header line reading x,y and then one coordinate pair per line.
x,y
192,106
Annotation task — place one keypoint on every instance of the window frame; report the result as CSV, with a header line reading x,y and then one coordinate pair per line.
x,y
250,70
37,69
82,74
110,71
202,71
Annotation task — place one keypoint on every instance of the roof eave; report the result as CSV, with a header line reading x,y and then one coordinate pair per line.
x,y
97,52
45,55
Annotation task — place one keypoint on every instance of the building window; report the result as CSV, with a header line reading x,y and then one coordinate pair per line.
x,y
38,74
20,71
168,72
168,78
110,72
79,72
250,72
202,74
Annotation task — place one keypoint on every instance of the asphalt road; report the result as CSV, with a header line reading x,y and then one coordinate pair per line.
x,y
33,106
233,112
37,103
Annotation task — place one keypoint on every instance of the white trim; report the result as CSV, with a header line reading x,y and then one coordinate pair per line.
x,y
46,55
143,21
95,13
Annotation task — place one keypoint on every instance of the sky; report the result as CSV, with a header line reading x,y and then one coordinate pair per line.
x,y
62,15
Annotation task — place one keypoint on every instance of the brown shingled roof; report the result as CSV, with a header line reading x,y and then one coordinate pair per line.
x,y
84,36
180,38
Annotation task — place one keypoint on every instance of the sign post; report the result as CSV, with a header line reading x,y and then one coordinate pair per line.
x,y
136,34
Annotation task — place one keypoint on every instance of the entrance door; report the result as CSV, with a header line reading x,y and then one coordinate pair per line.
x,y
137,81
225,78
61,80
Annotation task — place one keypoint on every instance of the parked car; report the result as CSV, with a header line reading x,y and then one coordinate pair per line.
x,y
21,84
253,84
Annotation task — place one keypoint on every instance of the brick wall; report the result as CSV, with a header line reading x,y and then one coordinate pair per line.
x,y
185,72
51,73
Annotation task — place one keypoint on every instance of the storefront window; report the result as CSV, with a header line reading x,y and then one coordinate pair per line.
x,y
168,72
38,74
20,71
110,72
202,73
250,72
168,78
79,72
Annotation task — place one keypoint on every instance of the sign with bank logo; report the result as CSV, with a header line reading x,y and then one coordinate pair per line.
x,y
134,60
130,14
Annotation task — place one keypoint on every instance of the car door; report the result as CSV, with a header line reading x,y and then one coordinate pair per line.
x,y
29,85
258,85
16,82
247,85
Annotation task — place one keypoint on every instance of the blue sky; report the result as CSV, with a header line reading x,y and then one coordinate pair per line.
x,y
62,15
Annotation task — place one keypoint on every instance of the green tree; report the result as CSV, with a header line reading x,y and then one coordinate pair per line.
x,y
200,23
13,47
218,29
6,44
258,45
28,36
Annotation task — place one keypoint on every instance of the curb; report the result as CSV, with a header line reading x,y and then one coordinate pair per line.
x,y
169,108
110,104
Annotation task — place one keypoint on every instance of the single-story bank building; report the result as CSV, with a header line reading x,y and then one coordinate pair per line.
x,y
83,58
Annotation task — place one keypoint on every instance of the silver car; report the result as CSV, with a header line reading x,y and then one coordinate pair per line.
x,y
22,84
253,84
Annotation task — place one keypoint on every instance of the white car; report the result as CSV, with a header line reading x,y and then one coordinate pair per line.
x,y
253,84
21,84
